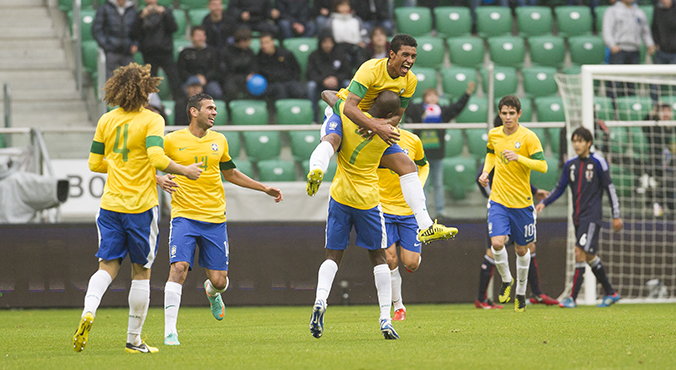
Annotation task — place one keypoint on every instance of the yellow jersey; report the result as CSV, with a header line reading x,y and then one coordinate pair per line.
x,y
372,78
511,181
356,181
391,197
202,199
124,139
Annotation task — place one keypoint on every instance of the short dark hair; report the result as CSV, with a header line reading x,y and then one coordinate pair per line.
x,y
196,28
400,40
385,103
266,34
510,101
583,134
195,101
242,34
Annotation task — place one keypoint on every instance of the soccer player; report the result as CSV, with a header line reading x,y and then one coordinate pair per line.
x,y
355,202
588,175
373,77
128,145
513,151
198,210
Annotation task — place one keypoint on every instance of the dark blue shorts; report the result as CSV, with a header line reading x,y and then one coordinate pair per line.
x,y
587,236
133,233
212,238
517,223
404,231
369,224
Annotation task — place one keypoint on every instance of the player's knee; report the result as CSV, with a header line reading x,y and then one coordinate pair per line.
x,y
392,261
412,265
178,272
219,282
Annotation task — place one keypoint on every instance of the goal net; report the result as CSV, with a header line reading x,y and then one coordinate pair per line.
x,y
630,110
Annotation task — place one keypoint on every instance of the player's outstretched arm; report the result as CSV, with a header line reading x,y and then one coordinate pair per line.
x,y
236,177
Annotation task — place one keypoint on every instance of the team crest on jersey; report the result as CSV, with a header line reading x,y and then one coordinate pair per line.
x,y
402,91
517,145
406,151
333,125
589,174
214,147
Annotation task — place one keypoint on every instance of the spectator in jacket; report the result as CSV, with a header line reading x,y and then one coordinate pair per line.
x,y
294,18
349,33
280,69
433,140
663,32
374,13
327,69
238,63
258,15
112,31
153,29
321,10
219,25
201,60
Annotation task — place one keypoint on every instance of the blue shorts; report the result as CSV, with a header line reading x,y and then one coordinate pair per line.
x,y
369,224
333,125
518,223
587,236
133,233
185,234
404,231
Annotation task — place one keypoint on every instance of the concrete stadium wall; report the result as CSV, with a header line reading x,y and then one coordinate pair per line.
x,y
270,264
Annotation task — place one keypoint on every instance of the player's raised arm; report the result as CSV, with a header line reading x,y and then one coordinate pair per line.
x,y
236,177
380,127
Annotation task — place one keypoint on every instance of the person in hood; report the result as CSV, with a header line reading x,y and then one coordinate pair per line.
x,y
112,31
327,68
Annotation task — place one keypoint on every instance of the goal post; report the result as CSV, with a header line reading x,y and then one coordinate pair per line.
x,y
621,105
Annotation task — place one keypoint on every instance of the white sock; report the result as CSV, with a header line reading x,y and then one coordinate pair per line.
x,y
212,292
172,302
502,264
98,284
396,289
415,198
327,272
139,298
522,265
381,274
321,155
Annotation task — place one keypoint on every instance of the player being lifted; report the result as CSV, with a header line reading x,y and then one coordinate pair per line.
x,y
588,175
128,145
198,210
373,77
513,151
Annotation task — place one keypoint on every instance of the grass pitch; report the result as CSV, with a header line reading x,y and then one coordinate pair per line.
x,y
432,337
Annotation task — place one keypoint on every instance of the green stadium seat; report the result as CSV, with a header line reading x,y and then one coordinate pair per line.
x,y
321,105
234,144
165,90
303,143
508,51
87,20
587,50
302,47
138,58
466,51
633,108
550,109
573,20
415,21
599,11
534,20
572,70
603,106
179,45
193,4
554,134
248,112
505,79
493,21
222,110
454,143
427,78
452,21
169,111
294,112
639,142
459,176
90,53
196,16
547,51
476,111
182,23
539,81
166,3
454,80
244,166
276,170
67,5
477,139
262,145
328,175
431,52
546,181
623,179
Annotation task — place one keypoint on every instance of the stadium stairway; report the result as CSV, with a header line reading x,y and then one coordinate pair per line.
x,y
39,70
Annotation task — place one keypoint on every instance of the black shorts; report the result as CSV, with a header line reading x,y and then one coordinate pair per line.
x,y
587,236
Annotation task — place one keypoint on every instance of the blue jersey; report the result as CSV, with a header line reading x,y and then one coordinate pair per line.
x,y
587,177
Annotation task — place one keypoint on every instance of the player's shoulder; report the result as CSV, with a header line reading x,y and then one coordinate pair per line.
x,y
495,131
572,160
599,160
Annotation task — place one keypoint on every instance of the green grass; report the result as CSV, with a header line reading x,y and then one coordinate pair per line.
x,y
432,337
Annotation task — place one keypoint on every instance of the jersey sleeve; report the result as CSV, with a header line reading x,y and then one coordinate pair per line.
x,y
155,143
226,162
97,161
607,183
489,161
535,150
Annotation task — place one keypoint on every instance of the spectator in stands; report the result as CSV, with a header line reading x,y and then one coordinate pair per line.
x,y
379,47
433,141
153,29
219,25
321,10
238,63
327,68
111,30
192,87
155,105
201,60
280,69
258,15
659,161
625,27
374,13
294,18
663,32
349,33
